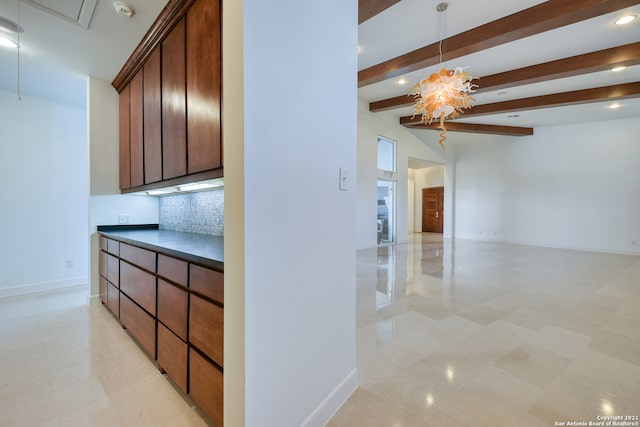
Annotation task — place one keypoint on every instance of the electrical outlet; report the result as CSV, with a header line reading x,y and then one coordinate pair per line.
x,y
123,219
69,263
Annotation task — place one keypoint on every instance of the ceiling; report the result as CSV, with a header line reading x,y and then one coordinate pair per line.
x,y
57,52
407,25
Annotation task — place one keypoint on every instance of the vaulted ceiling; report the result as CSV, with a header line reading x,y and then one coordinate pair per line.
x,y
545,62
538,63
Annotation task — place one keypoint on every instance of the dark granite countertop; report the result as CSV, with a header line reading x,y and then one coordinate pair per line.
x,y
199,248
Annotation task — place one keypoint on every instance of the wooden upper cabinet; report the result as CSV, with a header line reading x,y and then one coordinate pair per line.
x,y
125,155
152,119
170,99
136,129
203,86
174,132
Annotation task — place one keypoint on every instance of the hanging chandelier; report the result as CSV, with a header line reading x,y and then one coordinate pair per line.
x,y
443,95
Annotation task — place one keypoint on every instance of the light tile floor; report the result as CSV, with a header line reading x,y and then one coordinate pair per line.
x,y
64,363
453,333
467,333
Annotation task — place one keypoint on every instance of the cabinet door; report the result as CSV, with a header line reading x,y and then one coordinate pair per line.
x,y
139,323
136,135
173,308
206,386
152,119
172,356
207,282
203,86
113,270
174,119
102,264
138,285
103,290
113,299
143,258
206,328
125,154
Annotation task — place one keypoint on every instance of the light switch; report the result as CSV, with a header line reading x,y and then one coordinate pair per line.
x,y
343,179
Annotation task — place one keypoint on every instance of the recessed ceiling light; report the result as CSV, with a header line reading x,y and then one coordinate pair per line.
x,y
614,106
625,19
7,25
402,81
7,42
616,69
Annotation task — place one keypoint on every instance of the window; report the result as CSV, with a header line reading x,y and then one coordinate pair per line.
x,y
386,154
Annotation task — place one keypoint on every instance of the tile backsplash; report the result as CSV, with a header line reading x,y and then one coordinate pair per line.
x,y
201,212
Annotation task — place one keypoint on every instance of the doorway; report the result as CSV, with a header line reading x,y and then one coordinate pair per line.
x,y
432,209
386,211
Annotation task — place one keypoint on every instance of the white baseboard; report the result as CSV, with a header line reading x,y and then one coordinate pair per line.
x,y
32,288
330,405
94,300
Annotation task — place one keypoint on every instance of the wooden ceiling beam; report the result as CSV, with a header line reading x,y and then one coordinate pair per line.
x,y
626,55
476,128
367,9
543,17
576,97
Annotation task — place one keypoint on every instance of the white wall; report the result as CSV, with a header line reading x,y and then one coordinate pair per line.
x,y
44,197
300,68
423,178
371,125
574,186
105,202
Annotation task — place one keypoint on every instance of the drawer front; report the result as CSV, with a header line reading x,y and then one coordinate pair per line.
x,y
206,386
113,299
207,282
102,263
113,247
173,269
172,356
113,270
139,324
173,308
206,328
102,242
141,257
103,290
139,285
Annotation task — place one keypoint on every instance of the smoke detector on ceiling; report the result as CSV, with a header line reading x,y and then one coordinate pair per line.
x,y
123,9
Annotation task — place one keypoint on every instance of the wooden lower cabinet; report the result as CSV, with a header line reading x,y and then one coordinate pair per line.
x,y
206,386
140,324
174,309
172,356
